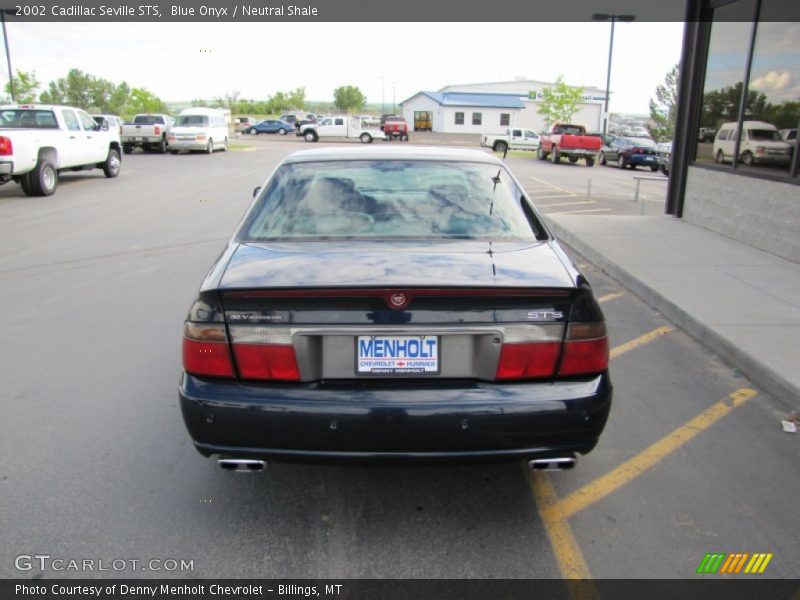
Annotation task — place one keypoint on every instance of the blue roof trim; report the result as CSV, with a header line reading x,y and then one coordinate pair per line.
x,y
474,100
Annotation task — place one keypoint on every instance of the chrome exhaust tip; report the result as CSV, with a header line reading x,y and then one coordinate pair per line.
x,y
562,463
243,465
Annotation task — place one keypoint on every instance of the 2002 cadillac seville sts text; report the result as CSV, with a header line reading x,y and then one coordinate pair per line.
x,y
384,304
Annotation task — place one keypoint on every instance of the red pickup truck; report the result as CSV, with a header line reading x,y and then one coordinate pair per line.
x,y
395,127
570,141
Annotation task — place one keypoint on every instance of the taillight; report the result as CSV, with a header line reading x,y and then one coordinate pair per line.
x,y
206,351
264,353
585,349
157,130
529,351
6,148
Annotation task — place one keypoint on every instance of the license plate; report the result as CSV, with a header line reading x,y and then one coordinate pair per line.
x,y
649,159
397,355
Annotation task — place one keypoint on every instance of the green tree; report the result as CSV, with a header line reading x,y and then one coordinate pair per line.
x,y
722,105
144,101
348,98
560,102
297,98
664,108
26,86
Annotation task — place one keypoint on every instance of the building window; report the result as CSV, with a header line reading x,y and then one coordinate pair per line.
x,y
477,118
761,131
505,119
459,118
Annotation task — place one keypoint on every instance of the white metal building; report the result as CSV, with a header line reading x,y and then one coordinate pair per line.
x,y
493,107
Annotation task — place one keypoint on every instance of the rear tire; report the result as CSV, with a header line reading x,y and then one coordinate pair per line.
x,y
654,168
210,147
161,148
225,145
127,148
747,158
621,162
556,156
573,159
366,138
500,147
540,154
603,160
720,157
589,162
44,178
281,132
113,163
173,151
25,184
311,136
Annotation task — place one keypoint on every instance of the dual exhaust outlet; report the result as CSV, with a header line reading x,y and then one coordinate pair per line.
x,y
249,465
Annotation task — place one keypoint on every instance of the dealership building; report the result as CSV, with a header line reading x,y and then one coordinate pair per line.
x,y
493,107
740,72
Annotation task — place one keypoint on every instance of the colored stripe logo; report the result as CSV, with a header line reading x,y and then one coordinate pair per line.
x,y
735,563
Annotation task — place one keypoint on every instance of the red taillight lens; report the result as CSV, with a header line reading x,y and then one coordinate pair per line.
x,y
266,362
529,351
528,361
585,350
157,130
264,353
205,350
6,148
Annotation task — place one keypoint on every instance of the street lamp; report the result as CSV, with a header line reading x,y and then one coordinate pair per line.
x,y
383,94
613,19
8,56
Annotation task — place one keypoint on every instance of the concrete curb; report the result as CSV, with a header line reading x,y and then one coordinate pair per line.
x,y
752,367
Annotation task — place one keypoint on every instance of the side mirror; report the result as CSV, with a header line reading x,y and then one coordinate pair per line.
x,y
104,126
256,190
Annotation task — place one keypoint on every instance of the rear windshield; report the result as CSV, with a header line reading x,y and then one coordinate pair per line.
x,y
148,120
391,199
192,121
570,129
764,135
28,119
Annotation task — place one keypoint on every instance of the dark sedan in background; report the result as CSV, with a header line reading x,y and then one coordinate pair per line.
x,y
630,152
393,305
270,126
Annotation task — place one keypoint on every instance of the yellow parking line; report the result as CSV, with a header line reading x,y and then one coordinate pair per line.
x,y
568,553
641,340
550,185
629,470
609,297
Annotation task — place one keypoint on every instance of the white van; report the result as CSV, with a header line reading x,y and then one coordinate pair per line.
x,y
760,143
199,129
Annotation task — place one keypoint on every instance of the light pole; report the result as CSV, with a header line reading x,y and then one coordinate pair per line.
x,y
613,19
394,95
8,56
383,94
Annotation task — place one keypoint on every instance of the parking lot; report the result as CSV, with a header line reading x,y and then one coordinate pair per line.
x,y
95,282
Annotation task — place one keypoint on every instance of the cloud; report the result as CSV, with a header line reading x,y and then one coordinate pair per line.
x,y
771,82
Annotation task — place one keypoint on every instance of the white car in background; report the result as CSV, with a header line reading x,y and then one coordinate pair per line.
x,y
760,143
514,139
199,128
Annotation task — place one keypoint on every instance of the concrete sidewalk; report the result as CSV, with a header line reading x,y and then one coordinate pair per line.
x,y
741,302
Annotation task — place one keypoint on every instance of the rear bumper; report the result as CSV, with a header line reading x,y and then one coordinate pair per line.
x,y
642,159
6,168
139,140
419,422
579,152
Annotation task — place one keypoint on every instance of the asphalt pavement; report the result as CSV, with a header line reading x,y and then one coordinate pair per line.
x,y
95,282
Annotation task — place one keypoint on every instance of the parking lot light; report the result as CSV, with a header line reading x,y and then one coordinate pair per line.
x,y
613,19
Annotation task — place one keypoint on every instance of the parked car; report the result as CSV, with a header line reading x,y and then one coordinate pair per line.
x,y
760,143
513,138
393,127
340,127
278,126
789,136
639,132
148,132
570,141
296,118
354,316
199,128
110,121
706,134
39,141
664,157
630,152
383,119
242,123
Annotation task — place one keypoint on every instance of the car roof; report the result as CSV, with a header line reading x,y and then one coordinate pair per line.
x,y
391,153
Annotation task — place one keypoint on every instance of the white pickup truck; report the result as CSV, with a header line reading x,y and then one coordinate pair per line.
x,y
340,127
37,142
513,139
148,132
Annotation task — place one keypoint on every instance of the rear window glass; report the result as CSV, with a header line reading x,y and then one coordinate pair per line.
x,y
148,120
192,121
765,135
28,119
390,199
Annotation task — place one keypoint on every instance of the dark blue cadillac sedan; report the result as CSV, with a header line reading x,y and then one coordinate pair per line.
x,y
394,305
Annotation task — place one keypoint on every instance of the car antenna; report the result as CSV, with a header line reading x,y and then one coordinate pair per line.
x,y
505,153
495,181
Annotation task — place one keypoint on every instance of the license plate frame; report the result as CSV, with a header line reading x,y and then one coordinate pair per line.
x,y
425,361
